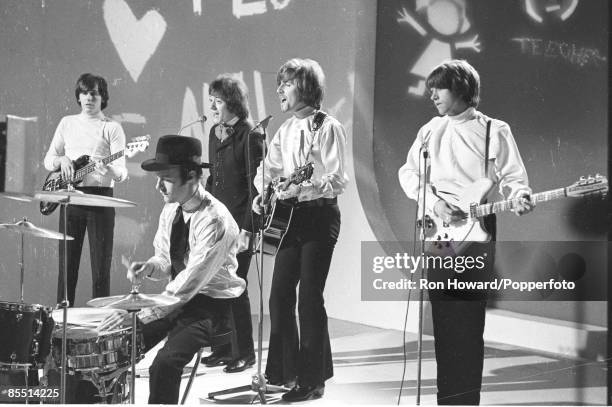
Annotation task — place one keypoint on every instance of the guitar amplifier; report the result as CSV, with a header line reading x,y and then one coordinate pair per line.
x,y
21,155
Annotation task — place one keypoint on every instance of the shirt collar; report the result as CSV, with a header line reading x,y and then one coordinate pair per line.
x,y
232,122
304,112
467,114
193,203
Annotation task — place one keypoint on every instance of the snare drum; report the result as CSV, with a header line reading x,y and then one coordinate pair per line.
x,y
26,333
89,349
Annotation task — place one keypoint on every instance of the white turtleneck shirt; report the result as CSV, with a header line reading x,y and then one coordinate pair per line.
x,y
456,149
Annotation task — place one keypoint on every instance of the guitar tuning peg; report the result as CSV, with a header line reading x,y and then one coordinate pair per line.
x,y
597,175
582,178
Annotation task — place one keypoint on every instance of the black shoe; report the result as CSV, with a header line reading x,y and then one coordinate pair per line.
x,y
216,359
240,364
303,393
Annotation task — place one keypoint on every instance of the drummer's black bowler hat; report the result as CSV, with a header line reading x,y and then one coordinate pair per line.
x,y
175,151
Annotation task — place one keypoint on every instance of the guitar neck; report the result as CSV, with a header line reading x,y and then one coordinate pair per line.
x,y
510,204
80,173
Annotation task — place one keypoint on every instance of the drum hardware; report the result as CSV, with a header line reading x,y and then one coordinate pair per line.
x,y
67,197
24,343
27,228
102,358
132,303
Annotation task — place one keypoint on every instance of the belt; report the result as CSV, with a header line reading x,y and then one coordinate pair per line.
x,y
319,202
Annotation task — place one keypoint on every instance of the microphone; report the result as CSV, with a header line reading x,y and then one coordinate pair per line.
x,y
200,119
425,146
263,123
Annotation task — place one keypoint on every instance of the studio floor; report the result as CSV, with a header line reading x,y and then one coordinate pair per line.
x,y
368,365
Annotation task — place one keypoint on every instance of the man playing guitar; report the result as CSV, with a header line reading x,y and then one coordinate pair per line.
x,y
88,133
462,146
303,361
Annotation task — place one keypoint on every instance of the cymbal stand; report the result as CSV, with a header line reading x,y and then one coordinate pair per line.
x,y
259,383
65,303
133,356
21,264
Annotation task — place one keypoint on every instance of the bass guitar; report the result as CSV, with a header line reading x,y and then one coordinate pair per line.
x,y
277,213
85,165
457,235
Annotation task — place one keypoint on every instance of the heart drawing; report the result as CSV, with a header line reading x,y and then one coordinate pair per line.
x,y
135,40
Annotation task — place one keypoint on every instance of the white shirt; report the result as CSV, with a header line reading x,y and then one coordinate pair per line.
x,y
289,150
456,147
210,262
98,137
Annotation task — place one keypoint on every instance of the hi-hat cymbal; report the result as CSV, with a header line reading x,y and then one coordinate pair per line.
x,y
81,198
27,228
133,301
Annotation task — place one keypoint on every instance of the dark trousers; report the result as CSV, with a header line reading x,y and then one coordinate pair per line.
x,y
458,324
241,308
100,225
304,257
458,329
188,331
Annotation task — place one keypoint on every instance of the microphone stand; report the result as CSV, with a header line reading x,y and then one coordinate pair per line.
x,y
200,119
424,223
259,383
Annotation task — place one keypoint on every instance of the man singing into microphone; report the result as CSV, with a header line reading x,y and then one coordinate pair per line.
x,y
195,247
235,150
303,361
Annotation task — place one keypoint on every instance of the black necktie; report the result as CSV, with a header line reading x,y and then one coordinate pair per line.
x,y
179,242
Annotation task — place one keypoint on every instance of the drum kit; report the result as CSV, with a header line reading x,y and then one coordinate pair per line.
x,y
35,336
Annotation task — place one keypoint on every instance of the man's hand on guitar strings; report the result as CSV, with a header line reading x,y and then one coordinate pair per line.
x,y
257,205
523,205
449,213
66,168
290,192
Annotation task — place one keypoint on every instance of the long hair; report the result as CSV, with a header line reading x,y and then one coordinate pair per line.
x,y
459,77
234,93
87,82
309,78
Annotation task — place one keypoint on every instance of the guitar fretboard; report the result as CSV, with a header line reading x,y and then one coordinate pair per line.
x,y
509,204
80,173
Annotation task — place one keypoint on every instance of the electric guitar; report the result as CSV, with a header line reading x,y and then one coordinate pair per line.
x,y
85,165
277,213
455,237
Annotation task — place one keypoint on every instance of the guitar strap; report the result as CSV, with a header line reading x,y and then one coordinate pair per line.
x,y
489,221
317,122
487,142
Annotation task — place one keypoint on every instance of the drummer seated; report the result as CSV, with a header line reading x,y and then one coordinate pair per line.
x,y
195,247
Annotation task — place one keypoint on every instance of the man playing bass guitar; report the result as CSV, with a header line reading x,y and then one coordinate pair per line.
x,y
462,146
88,133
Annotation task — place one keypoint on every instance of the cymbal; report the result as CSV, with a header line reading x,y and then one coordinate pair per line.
x,y
27,228
80,198
133,301
17,196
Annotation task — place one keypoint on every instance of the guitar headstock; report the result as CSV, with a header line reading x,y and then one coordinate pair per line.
x,y
588,186
302,173
137,145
